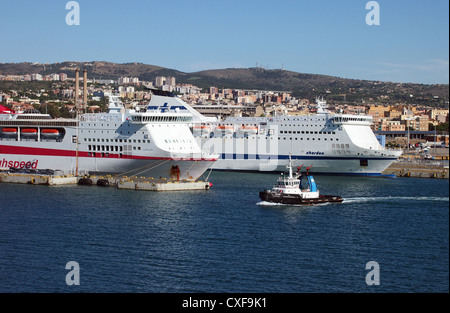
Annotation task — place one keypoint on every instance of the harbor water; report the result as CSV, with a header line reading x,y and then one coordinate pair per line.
x,y
225,240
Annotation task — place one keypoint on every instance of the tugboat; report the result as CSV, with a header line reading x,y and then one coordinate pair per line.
x,y
296,190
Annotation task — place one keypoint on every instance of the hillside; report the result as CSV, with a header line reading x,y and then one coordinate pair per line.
x,y
300,84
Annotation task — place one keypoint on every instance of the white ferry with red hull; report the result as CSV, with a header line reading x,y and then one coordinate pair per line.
x,y
155,141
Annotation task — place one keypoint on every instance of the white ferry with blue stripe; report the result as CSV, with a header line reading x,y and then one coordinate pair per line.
x,y
333,143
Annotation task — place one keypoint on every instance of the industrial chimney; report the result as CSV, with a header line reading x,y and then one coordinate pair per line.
x,y
77,71
85,90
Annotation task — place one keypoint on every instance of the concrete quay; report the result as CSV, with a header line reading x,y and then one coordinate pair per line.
x,y
37,179
419,169
119,182
144,183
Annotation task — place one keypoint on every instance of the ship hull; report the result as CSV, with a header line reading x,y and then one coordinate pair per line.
x,y
272,197
158,167
341,166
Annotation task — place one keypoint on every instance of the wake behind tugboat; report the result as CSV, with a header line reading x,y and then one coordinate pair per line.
x,y
296,190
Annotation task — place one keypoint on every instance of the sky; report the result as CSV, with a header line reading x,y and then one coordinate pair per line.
x,y
330,37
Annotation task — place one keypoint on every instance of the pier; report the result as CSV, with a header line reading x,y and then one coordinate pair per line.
x,y
419,168
147,183
50,178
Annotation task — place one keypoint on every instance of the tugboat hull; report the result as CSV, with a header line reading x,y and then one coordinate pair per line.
x,y
270,196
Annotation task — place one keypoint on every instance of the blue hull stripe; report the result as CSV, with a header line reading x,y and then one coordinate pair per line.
x,y
315,173
240,156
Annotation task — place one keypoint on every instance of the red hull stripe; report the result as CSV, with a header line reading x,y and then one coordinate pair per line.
x,y
83,154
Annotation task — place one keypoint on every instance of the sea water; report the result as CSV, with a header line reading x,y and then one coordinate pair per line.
x,y
225,239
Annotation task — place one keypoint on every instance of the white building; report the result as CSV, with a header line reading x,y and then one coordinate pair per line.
x,y
36,76
170,81
54,76
160,81
124,80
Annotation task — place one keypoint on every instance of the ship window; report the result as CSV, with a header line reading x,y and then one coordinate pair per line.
x,y
89,147
363,162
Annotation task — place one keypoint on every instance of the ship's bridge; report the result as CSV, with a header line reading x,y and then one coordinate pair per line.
x,y
341,119
161,111
159,117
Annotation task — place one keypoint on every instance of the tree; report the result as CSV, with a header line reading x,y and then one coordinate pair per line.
x,y
442,127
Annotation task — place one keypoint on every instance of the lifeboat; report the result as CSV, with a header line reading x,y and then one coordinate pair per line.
x,y
201,129
9,131
248,129
49,132
225,129
28,132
